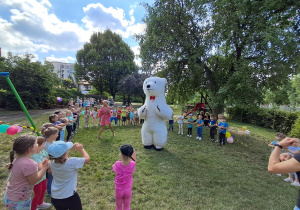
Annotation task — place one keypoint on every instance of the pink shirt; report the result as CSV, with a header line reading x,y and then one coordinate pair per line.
x,y
18,188
123,180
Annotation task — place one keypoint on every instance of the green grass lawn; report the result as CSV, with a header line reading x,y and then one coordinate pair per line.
x,y
187,174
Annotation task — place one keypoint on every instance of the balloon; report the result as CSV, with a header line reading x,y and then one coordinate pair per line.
x,y
247,132
12,130
230,140
244,128
227,135
20,128
82,112
59,99
3,128
241,132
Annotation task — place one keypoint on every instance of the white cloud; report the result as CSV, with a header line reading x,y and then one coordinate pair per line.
x,y
32,29
68,59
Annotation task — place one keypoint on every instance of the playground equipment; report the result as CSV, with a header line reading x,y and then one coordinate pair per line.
x,y
202,105
6,75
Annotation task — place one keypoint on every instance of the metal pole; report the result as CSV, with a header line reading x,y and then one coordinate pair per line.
x,y
6,75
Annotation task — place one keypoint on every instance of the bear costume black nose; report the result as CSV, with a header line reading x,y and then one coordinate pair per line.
x,y
148,86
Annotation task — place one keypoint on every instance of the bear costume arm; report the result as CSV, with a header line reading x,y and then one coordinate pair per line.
x,y
164,111
142,112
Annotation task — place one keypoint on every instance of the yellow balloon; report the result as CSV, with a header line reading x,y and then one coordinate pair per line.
x,y
244,128
227,135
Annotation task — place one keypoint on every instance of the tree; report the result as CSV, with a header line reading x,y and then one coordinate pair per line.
x,y
68,83
104,61
229,49
32,80
132,85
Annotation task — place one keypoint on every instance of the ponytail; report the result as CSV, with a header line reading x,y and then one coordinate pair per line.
x,y
11,157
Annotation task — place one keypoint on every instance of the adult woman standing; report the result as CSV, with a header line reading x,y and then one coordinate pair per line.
x,y
105,118
278,165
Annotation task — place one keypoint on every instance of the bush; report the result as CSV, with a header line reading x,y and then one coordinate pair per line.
x,y
295,132
278,120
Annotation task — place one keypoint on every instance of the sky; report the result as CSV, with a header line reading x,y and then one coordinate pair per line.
x,y
55,29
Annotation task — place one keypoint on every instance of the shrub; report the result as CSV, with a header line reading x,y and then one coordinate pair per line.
x,y
295,132
278,120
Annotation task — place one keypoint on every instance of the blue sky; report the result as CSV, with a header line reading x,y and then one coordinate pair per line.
x,y
55,29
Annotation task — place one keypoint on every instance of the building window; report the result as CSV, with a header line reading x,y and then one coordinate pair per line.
x,y
62,71
68,71
62,66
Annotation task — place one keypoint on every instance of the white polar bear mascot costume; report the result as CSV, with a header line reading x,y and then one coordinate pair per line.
x,y
155,111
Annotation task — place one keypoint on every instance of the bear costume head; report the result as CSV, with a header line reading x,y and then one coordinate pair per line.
x,y
154,86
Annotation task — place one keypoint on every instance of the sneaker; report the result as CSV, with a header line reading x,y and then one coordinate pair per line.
x,y
199,138
278,174
296,184
190,135
181,133
288,179
178,132
212,140
217,141
44,205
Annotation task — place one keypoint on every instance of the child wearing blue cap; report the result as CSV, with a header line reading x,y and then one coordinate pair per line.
x,y
190,125
64,171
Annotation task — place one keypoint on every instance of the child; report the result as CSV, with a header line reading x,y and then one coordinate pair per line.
x,y
40,187
131,116
70,126
119,113
51,134
180,122
62,118
190,125
171,122
278,138
94,116
199,123
136,118
75,116
293,150
44,127
114,116
65,170
124,116
222,131
24,173
87,113
206,119
123,180
213,125
57,124
219,120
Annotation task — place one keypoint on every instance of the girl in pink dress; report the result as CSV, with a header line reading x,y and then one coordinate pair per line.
x,y
123,180
105,118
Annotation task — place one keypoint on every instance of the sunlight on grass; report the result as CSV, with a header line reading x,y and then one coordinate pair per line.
x,y
187,174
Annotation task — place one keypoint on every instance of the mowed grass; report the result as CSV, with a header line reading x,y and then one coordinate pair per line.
x,y
187,174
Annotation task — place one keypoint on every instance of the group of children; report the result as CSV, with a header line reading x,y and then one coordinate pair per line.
x,y
289,153
203,121
41,157
125,116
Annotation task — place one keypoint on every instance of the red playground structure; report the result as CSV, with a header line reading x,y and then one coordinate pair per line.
x,y
200,106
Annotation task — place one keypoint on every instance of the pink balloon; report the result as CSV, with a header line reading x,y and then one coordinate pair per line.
x,y
230,140
20,128
12,130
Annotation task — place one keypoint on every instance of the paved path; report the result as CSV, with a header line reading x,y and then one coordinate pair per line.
x,y
9,116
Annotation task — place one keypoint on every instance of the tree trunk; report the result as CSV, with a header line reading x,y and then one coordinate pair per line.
x,y
218,110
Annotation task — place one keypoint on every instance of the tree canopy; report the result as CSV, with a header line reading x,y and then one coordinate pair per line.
x,y
104,61
32,80
229,49
132,85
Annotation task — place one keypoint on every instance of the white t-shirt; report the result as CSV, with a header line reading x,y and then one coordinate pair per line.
x,y
65,177
180,118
